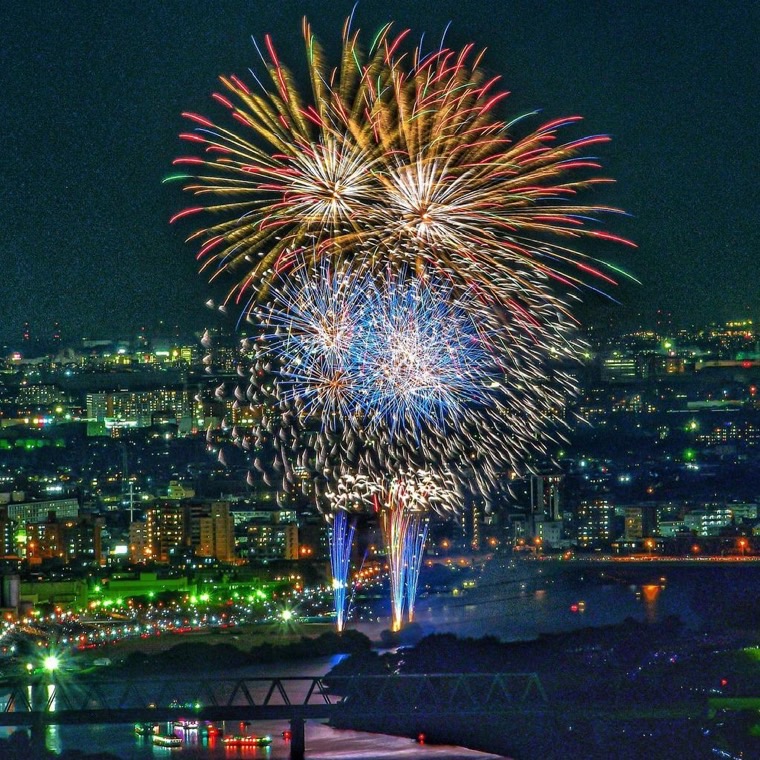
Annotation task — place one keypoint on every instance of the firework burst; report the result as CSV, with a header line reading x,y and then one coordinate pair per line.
x,y
377,374
396,158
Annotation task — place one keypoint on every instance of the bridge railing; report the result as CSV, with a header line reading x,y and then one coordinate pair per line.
x,y
445,693
67,696
189,694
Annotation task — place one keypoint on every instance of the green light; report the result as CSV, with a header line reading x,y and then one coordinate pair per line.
x,y
204,597
50,663
193,599
287,615
689,455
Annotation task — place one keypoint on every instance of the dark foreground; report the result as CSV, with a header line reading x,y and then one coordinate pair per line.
x,y
628,691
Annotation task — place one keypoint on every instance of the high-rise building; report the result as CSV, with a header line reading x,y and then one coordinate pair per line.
x,y
167,530
139,546
595,522
545,495
217,534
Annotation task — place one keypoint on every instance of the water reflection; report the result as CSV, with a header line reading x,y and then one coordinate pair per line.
x,y
649,595
52,733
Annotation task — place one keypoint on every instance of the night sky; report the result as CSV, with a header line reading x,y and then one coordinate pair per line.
x,y
91,95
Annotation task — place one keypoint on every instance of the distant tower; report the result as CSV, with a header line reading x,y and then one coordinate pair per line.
x,y
664,322
545,496
476,518
56,333
26,333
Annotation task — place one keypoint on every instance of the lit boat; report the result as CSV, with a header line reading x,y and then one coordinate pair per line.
x,y
187,725
247,741
166,740
146,729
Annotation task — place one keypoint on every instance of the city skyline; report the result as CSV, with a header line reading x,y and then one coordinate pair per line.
x,y
93,112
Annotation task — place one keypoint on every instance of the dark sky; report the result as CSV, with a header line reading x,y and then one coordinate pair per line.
x,y
91,95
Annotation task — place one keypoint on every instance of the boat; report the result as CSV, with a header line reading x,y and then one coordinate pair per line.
x,y
186,725
146,729
247,741
167,740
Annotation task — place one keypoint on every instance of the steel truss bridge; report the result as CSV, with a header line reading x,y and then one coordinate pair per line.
x,y
65,699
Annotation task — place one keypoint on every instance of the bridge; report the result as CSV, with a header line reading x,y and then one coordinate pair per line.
x,y
64,699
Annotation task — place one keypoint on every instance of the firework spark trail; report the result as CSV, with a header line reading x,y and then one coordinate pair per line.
x,y
341,536
420,355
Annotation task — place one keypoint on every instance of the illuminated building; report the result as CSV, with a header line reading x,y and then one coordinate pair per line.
x,y
548,532
167,529
595,522
66,540
619,368
640,521
139,545
39,394
139,407
708,521
39,511
44,541
7,548
475,540
217,535
545,523
545,495
273,541
177,491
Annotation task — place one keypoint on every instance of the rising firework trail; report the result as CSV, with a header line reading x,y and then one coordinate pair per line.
x,y
341,535
402,506
414,551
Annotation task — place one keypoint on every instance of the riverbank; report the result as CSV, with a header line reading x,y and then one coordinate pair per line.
x,y
231,653
243,637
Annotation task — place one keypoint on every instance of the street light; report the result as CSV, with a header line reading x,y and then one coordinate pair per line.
x,y
51,663
742,545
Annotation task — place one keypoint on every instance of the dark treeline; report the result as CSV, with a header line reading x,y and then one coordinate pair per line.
x,y
200,656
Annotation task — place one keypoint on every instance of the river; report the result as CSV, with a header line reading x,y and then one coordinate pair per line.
x,y
521,600
322,742
510,601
